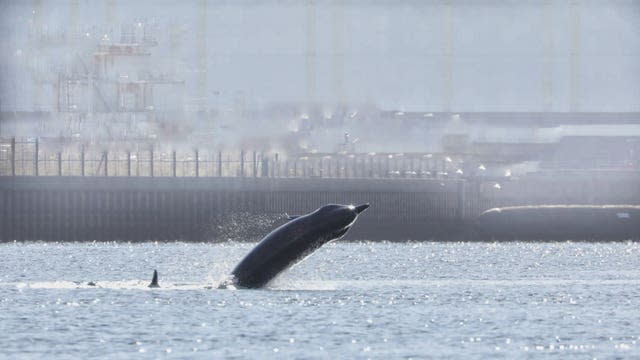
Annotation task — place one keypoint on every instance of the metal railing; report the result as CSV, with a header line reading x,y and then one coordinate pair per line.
x,y
52,157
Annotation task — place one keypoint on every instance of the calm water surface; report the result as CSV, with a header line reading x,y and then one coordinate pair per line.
x,y
355,300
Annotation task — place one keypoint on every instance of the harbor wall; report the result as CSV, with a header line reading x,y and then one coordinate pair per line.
x,y
211,209
59,208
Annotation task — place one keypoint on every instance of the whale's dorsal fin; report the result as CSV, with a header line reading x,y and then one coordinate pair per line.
x,y
154,281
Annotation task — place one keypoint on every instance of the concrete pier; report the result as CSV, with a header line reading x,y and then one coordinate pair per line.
x,y
215,209
76,208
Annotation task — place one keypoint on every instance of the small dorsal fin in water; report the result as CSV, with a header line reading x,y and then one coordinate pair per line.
x,y
154,281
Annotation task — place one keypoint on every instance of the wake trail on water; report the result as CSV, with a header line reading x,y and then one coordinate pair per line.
x,y
313,285
114,285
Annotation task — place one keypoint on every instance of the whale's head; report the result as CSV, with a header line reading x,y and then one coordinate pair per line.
x,y
337,219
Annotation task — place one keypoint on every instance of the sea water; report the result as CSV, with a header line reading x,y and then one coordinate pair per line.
x,y
347,300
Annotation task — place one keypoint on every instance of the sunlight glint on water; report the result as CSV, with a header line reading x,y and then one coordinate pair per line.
x,y
358,299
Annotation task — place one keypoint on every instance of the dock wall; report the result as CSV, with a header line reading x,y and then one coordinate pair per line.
x,y
53,208
216,209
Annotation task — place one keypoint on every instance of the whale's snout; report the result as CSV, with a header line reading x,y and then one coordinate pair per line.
x,y
360,208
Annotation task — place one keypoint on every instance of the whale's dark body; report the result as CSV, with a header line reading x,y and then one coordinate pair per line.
x,y
292,242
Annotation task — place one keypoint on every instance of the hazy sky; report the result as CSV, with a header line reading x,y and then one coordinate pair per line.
x,y
406,55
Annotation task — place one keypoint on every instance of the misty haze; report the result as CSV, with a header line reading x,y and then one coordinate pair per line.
x,y
401,179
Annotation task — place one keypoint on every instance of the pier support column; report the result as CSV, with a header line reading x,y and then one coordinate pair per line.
x,y
128,163
241,163
35,160
105,156
59,163
255,164
13,156
82,161
388,166
151,162
197,163
173,163
265,166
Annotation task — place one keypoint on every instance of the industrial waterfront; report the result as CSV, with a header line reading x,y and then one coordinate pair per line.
x,y
486,156
121,123
148,127
245,206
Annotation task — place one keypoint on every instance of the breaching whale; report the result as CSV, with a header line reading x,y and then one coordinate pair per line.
x,y
292,242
